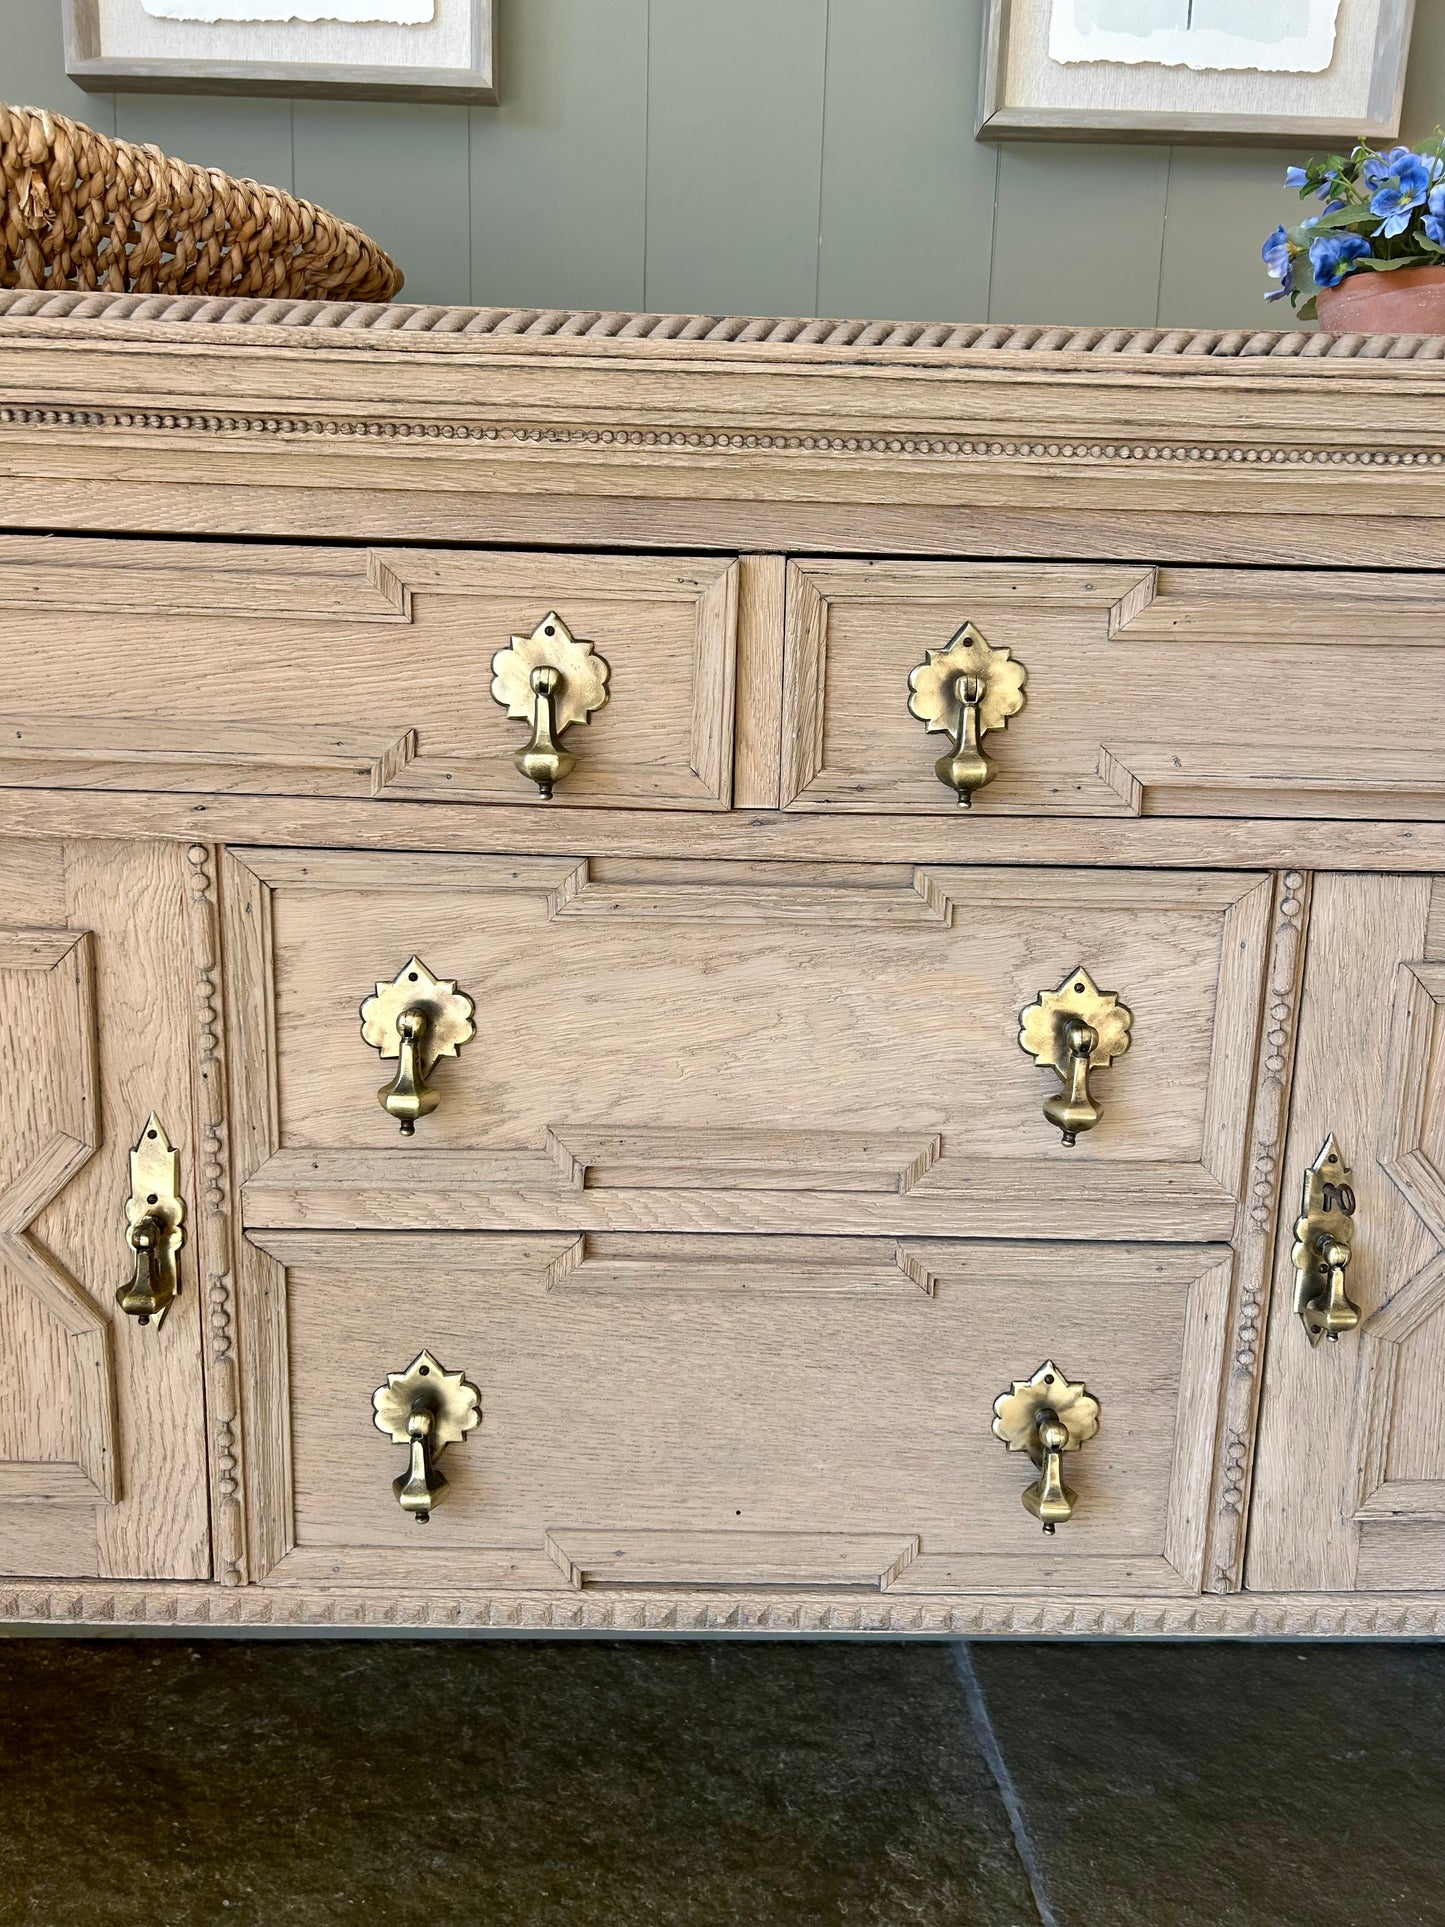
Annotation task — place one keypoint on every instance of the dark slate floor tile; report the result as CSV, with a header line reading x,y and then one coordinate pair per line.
x,y
1228,1785
449,1784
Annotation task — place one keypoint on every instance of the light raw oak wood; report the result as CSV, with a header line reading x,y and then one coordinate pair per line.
x,y
1307,1475
353,672
1238,676
102,1429
696,1414
708,1056
754,836
496,426
744,1167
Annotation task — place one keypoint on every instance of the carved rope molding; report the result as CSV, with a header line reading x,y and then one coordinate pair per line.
x,y
1238,1616
321,318
685,441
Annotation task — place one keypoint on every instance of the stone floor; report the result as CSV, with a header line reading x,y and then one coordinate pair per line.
x,y
517,1784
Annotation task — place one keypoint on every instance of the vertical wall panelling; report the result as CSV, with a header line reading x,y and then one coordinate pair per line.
x,y
1222,203
32,65
908,193
1079,241
558,169
247,136
782,156
734,140
399,169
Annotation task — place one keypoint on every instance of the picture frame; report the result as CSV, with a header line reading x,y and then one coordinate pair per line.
x,y
1133,95
169,46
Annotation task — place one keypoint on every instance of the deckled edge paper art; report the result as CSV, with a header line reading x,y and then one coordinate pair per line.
x,y
384,13
1262,36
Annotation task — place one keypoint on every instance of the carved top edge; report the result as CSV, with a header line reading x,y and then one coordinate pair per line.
x,y
345,320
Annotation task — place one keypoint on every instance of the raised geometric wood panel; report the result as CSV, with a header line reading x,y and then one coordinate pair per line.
x,y
106,983
724,1046
1169,691
1349,1484
57,1426
1402,1387
712,1412
353,673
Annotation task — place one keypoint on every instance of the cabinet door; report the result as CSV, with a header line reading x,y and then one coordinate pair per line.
x,y
1350,1483
102,1441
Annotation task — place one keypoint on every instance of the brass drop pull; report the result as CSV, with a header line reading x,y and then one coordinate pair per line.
x,y
966,688
1323,1237
155,1227
1046,1416
549,680
1073,1030
425,1408
416,1018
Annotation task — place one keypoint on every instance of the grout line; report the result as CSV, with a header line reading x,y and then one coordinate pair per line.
x,y
988,1746
1163,237
822,156
646,145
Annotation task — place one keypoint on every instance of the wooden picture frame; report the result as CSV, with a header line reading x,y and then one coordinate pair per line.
x,y
206,61
1026,95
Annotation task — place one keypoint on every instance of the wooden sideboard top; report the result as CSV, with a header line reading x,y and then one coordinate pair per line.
x,y
416,325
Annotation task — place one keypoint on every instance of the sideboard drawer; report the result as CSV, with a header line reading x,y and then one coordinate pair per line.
x,y
260,669
1171,691
738,1411
724,1046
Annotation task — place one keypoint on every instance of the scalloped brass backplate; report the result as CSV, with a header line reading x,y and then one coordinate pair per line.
x,y
582,674
935,685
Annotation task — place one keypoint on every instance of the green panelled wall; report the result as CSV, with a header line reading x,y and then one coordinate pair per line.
x,y
754,156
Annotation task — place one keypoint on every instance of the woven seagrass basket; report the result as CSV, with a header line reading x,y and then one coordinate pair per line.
x,y
78,210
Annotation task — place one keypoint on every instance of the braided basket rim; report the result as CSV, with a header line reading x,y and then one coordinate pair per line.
x,y
87,212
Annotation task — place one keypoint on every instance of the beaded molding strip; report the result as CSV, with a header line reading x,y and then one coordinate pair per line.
x,y
334,428
743,330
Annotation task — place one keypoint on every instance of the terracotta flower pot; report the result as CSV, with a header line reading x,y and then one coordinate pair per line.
x,y
1409,301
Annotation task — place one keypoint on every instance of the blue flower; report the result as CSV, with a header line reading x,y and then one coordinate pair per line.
x,y
1434,222
1295,177
1278,258
1331,255
1401,180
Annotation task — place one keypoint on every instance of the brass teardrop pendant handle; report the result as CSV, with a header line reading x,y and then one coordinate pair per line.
x,y
1073,1030
965,689
1046,1416
416,1018
549,680
425,1408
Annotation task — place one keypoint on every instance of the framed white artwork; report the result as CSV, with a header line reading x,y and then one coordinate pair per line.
x,y
386,49
1290,72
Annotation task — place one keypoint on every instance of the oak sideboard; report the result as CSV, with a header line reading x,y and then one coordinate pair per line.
x,y
699,974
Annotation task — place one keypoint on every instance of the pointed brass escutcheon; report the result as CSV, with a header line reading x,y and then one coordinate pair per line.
x,y
155,1218
425,1408
1073,1030
549,680
1323,1244
965,689
1046,1416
